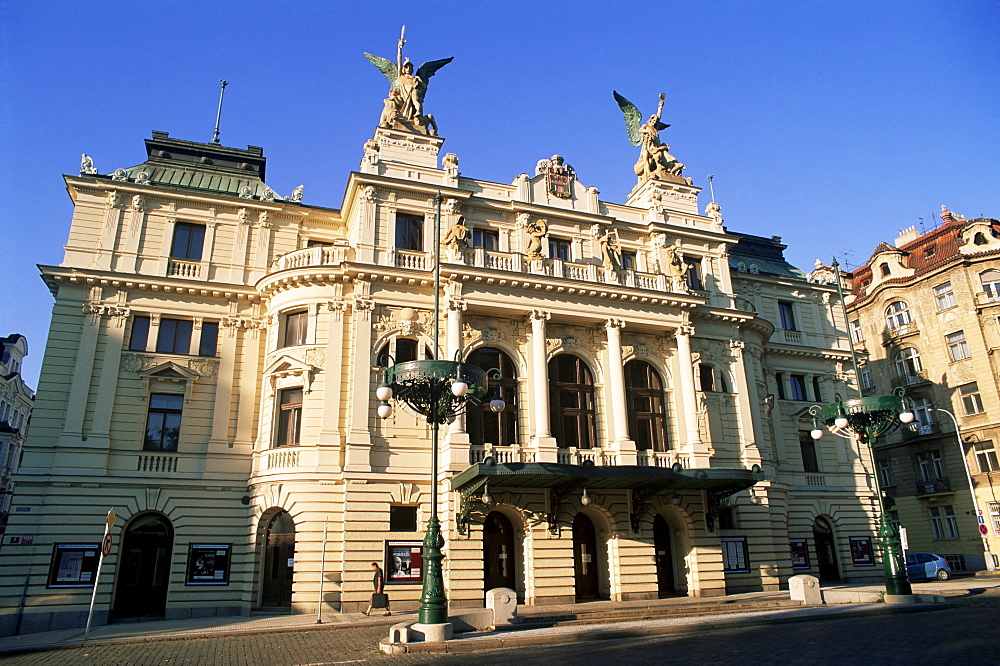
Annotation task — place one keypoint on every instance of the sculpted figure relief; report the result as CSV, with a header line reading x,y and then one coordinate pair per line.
x,y
676,268
611,252
536,232
404,107
457,236
655,161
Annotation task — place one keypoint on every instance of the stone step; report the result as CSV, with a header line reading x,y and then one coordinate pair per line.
x,y
539,617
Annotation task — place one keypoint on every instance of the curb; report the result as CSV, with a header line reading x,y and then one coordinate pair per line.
x,y
493,643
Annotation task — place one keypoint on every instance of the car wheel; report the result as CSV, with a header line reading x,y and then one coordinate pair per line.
x,y
943,574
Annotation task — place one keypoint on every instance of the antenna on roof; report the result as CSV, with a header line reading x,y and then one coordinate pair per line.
x,y
921,225
711,187
218,116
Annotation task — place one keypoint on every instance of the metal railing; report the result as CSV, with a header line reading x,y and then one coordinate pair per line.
x,y
932,487
911,379
157,464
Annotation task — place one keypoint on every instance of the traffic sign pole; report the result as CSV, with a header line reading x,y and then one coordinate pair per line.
x,y
105,549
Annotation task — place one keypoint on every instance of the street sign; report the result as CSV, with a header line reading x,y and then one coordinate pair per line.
x,y
902,538
983,530
111,518
106,545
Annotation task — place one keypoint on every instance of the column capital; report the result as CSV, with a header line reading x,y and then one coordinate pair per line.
x,y
614,323
542,315
456,304
685,329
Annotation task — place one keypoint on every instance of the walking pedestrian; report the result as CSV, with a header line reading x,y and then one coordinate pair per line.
x,y
379,598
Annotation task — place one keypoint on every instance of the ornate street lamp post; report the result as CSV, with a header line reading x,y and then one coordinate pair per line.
x,y
438,390
868,419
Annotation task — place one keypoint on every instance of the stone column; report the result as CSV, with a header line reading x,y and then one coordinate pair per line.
x,y
229,330
689,400
359,436
237,272
546,449
100,428
137,221
83,370
109,232
456,440
250,384
262,246
746,397
617,400
333,379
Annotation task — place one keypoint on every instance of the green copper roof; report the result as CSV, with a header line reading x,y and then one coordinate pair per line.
x,y
760,255
206,167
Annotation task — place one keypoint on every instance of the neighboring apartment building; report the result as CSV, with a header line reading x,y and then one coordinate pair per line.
x,y
925,317
215,351
16,401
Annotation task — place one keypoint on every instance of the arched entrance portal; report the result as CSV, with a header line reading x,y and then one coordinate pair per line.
x,y
144,568
826,551
499,543
279,551
664,557
585,560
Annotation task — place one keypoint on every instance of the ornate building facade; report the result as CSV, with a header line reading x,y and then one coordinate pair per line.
x,y
16,402
216,348
924,316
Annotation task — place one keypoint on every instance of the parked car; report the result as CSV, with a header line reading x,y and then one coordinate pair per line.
x,y
924,566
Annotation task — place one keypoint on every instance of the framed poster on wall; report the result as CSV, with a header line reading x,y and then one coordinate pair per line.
x,y
861,552
208,564
800,553
73,564
404,561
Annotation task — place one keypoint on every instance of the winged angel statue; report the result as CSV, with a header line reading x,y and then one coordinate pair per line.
x,y
655,161
404,107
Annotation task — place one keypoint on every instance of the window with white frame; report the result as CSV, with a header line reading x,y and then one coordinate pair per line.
x,y
797,384
958,349
908,362
866,376
943,522
991,283
986,456
409,232
930,465
787,315
295,326
945,296
972,403
885,472
289,417
857,335
994,508
560,248
163,422
923,413
897,315
174,336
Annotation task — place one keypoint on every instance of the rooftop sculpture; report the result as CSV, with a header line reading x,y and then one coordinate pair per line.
x,y
655,161
404,107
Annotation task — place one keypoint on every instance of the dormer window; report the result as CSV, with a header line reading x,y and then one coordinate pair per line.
x,y
884,267
929,251
979,239
741,267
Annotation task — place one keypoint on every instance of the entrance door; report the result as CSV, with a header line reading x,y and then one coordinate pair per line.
x,y
664,557
498,552
585,558
278,566
826,552
144,568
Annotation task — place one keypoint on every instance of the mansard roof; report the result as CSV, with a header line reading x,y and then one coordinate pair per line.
x,y
767,254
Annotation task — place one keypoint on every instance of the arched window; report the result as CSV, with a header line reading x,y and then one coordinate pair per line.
x,y
646,413
897,315
571,402
991,283
484,425
884,267
399,350
979,239
712,380
908,362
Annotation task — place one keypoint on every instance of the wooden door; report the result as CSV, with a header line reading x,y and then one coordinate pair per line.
x,y
585,559
279,554
664,557
826,552
498,552
144,568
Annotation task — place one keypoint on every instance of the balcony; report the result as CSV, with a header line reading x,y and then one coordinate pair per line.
x,y
182,268
919,377
791,337
891,334
501,454
932,487
985,298
915,429
320,255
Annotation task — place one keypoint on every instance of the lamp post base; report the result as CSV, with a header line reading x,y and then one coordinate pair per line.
x,y
896,583
433,603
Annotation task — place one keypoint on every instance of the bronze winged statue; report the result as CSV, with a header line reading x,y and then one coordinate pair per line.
x,y
404,107
655,161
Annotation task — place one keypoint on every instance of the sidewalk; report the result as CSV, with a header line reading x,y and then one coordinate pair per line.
x,y
215,627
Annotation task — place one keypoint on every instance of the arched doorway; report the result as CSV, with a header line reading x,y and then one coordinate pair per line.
x,y
585,559
664,557
144,568
826,551
499,543
279,552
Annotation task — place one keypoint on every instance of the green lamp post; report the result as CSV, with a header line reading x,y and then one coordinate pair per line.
x,y
868,419
438,390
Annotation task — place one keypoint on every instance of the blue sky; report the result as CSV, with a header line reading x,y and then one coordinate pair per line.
x,y
832,125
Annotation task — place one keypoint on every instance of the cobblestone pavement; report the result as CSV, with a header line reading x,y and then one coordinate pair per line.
x,y
965,635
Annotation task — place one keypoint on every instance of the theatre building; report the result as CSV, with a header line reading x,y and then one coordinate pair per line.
x,y
215,350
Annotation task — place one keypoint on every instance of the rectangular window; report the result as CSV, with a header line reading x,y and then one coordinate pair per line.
x,y
943,522
787,315
734,555
994,508
629,261
402,519
930,465
798,385
986,456
486,238
289,417
807,446
409,232
856,334
163,422
726,518
140,333
885,473
296,327
174,336
971,402
944,296
957,347
956,562
188,241
800,553
559,249
73,564
693,273
866,376
209,338
779,381
816,394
